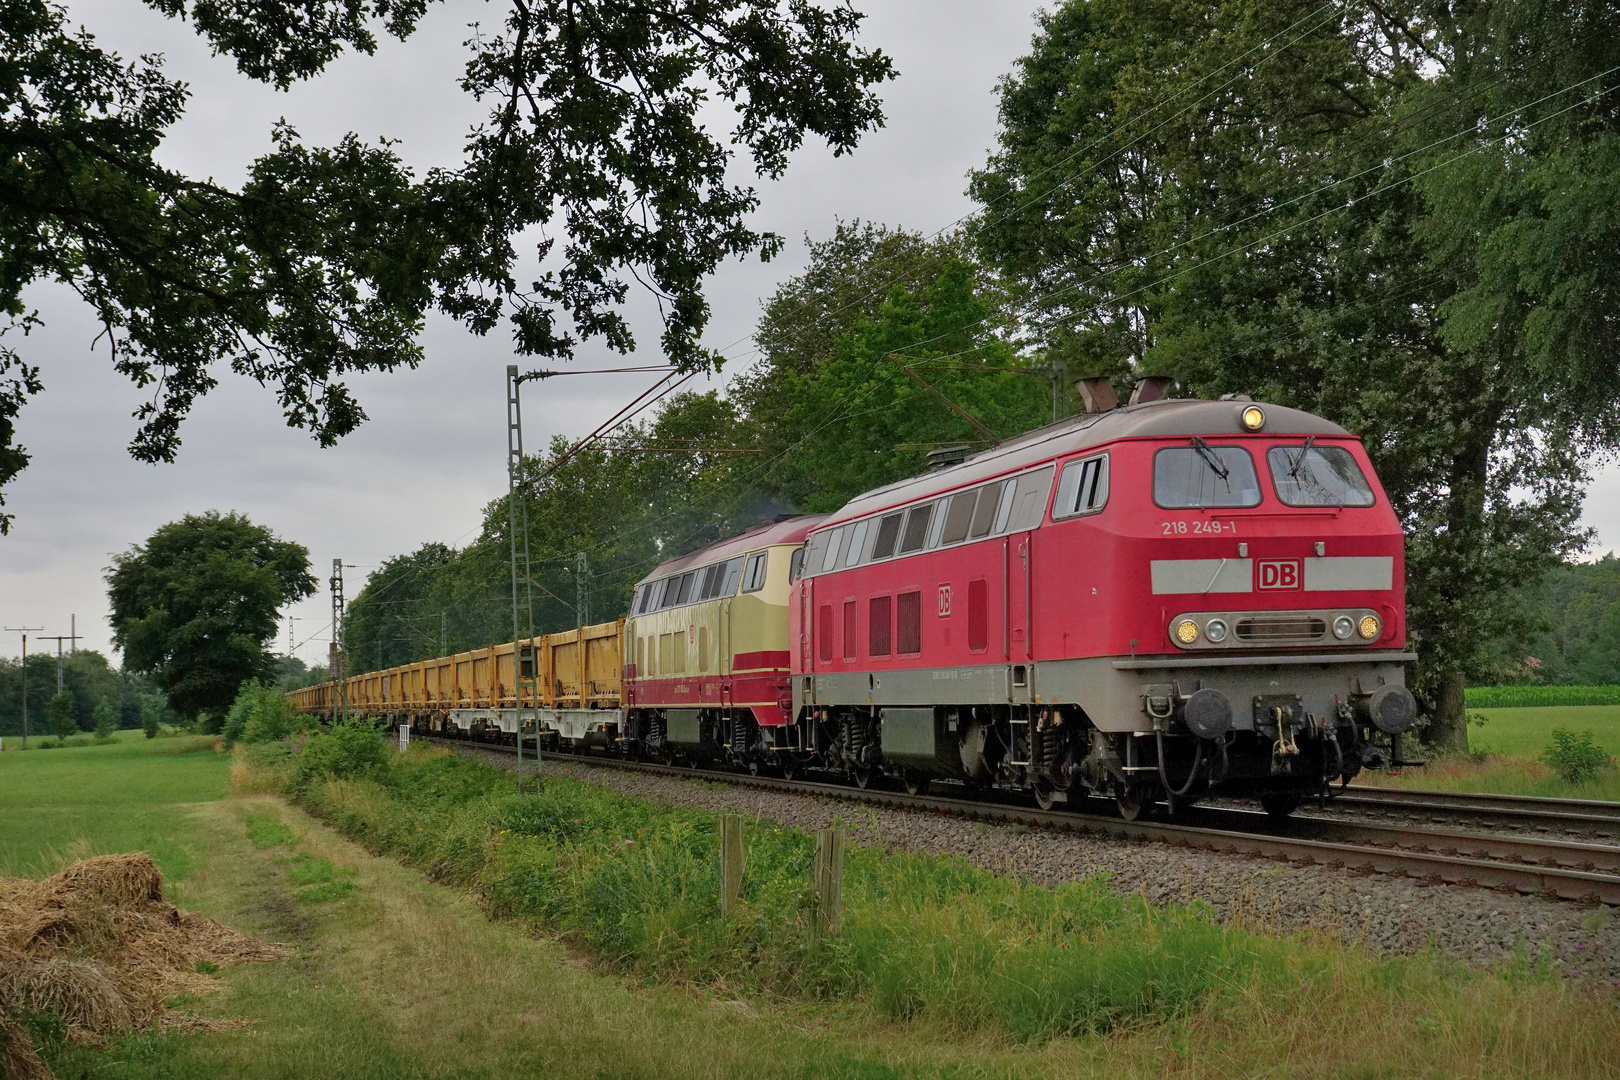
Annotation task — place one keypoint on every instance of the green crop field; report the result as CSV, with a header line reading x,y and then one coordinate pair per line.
x,y
1526,732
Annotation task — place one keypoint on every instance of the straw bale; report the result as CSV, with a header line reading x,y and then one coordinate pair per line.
x,y
98,945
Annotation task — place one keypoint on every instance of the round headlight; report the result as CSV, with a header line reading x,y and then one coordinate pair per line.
x,y
1254,418
1343,627
1186,631
1215,630
1369,627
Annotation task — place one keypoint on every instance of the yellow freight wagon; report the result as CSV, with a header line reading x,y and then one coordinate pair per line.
x,y
579,679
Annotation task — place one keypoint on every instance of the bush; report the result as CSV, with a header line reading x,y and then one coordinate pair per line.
x,y
106,719
59,713
353,748
151,715
260,714
1574,755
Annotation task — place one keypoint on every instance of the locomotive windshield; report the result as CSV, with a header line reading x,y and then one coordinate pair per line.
x,y
1202,475
1309,475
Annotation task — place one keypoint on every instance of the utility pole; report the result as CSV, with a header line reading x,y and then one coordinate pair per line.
x,y
337,661
58,638
1060,388
582,590
444,633
290,646
73,630
525,670
24,631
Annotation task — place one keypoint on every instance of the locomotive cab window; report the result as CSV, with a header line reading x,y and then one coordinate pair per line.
x,y
1310,475
796,564
1200,475
1082,488
754,577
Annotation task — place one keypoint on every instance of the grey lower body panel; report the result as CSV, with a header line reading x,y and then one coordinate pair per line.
x,y
566,723
1110,689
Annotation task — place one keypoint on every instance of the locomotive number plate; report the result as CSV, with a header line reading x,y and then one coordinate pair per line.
x,y
1198,527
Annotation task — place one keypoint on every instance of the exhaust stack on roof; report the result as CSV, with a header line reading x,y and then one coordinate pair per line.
x,y
1151,388
1098,394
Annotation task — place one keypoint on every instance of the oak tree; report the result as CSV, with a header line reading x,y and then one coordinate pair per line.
x,y
195,607
325,260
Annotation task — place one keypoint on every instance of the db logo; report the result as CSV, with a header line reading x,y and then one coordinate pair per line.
x,y
691,634
1280,573
944,601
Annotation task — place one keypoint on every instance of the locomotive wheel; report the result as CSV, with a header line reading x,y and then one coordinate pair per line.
x,y
914,784
790,768
753,767
1130,802
864,775
1279,804
1045,795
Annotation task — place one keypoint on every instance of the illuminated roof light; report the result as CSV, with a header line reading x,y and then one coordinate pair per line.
x,y
1254,418
1369,627
1186,631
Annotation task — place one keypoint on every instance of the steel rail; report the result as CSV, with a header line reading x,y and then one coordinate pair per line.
x,y
1509,811
1549,879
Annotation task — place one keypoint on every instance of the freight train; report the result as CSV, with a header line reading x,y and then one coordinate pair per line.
x,y
1156,602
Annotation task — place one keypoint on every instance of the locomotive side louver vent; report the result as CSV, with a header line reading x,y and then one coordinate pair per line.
x,y
1284,628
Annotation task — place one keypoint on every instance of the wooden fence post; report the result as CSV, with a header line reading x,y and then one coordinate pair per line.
x,y
829,880
731,863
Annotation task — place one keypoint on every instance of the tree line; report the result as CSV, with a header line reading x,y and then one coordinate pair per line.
x,y
1396,215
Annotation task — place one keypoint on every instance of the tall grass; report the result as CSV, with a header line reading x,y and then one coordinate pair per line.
x,y
925,938
1531,697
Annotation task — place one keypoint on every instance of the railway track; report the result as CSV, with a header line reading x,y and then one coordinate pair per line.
x,y
1562,869
1520,812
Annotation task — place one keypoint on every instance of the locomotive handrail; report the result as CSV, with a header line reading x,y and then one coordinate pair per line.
x,y
1145,663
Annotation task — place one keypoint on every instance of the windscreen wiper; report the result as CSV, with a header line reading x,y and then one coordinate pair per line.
x,y
1216,465
1299,462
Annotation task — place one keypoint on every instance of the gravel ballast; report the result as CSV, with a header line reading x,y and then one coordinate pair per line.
x,y
1389,915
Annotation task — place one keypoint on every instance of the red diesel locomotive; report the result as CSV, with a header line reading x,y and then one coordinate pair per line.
x,y
1157,601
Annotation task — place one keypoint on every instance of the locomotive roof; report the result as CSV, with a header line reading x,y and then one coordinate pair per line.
x,y
791,530
1166,418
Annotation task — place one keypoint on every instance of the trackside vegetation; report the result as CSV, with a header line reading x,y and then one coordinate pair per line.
x,y
926,940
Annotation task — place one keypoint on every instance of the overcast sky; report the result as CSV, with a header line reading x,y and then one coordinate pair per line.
x,y
433,452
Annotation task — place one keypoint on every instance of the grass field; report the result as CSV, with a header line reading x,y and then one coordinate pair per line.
x,y
1525,732
127,795
397,976
1506,751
